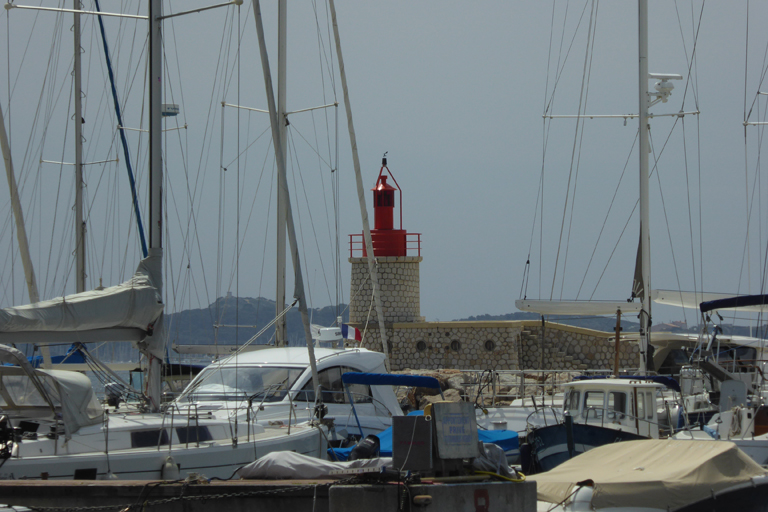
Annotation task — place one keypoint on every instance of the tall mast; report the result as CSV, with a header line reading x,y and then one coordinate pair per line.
x,y
372,270
282,28
274,121
79,223
155,177
645,249
21,231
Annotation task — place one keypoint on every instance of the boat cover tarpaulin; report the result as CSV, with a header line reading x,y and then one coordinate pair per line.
x,y
388,379
291,465
136,303
662,474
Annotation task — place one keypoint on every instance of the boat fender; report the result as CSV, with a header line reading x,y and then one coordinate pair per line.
x,y
582,498
170,470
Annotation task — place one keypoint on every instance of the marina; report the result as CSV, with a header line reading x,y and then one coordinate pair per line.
x,y
565,406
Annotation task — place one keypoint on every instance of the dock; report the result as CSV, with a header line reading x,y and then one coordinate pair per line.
x,y
267,495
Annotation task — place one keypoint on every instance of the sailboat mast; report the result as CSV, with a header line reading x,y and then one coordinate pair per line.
x,y
79,223
282,29
372,269
155,176
274,121
645,249
18,216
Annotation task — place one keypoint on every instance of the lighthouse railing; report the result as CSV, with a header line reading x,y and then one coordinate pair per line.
x,y
357,245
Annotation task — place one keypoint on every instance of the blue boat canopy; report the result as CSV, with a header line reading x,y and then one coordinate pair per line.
x,y
741,301
386,379
507,440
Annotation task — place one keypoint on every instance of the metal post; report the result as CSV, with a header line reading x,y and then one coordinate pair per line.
x,y
372,267
79,184
616,347
154,371
283,183
282,29
645,249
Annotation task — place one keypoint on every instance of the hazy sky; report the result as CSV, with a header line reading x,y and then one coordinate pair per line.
x,y
455,92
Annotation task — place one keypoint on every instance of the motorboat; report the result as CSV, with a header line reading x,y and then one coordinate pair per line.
x,y
274,387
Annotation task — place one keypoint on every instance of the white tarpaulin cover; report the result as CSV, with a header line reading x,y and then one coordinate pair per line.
x,y
665,474
291,465
137,303
577,307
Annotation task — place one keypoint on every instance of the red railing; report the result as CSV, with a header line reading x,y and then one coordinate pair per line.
x,y
412,245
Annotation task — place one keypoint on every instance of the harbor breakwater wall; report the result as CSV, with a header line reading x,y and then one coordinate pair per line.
x,y
478,345
498,345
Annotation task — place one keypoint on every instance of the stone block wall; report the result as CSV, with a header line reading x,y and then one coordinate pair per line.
x,y
398,278
565,347
499,345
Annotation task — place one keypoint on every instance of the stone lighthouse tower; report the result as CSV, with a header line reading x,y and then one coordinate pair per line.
x,y
398,254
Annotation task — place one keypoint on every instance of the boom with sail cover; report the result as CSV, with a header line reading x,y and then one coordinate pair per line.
x,y
126,312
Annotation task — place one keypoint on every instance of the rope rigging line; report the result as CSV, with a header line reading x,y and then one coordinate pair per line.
x,y
591,53
608,214
666,217
545,137
573,153
292,146
653,169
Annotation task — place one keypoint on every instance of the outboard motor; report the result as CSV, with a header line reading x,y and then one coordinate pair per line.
x,y
368,448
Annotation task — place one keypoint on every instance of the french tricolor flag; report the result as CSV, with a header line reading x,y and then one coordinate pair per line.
x,y
351,333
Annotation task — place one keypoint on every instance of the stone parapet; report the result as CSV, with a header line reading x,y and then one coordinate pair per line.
x,y
499,345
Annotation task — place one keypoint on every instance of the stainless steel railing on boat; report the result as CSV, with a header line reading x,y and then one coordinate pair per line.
x,y
537,388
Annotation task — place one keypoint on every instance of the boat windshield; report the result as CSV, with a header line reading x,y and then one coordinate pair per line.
x,y
263,383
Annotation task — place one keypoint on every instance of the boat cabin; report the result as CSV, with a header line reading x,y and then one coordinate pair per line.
x,y
622,404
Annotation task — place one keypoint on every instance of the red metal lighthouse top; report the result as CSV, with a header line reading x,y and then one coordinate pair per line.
x,y
384,201
387,241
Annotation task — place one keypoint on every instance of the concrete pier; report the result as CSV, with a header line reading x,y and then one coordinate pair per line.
x,y
458,497
267,495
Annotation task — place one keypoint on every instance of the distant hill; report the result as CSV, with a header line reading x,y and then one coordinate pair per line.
x,y
196,326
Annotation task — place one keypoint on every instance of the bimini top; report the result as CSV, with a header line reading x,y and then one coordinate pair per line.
x,y
32,394
662,474
388,379
749,303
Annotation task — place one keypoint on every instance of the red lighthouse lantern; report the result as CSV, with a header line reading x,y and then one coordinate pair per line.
x,y
387,241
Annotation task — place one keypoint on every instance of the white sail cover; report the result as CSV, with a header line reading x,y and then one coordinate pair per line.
x,y
692,300
136,303
577,307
